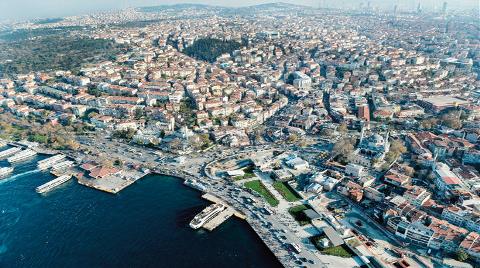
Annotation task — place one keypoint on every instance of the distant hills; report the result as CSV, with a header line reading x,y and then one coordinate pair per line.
x,y
259,7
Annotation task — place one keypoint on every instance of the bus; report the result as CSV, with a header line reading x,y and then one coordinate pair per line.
x,y
296,248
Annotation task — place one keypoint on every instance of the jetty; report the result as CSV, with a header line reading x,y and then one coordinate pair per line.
x,y
219,219
115,183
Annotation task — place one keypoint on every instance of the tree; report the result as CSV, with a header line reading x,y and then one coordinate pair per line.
x,y
208,49
429,123
461,255
292,138
344,147
118,163
94,91
409,171
397,148
139,113
175,143
342,128
326,132
452,119
125,133
105,162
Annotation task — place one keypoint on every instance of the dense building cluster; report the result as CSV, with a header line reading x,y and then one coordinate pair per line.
x,y
396,96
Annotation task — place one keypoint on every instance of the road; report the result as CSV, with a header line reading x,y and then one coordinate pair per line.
x,y
273,229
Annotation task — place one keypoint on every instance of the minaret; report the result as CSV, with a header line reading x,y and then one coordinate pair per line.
x,y
387,143
362,133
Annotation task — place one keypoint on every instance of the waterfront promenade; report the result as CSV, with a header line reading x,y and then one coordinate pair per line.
x,y
218,188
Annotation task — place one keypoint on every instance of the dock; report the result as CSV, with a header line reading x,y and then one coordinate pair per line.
x,y
222,216
219,219
112,184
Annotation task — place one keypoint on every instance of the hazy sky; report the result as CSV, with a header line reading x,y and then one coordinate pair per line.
x,y
22,9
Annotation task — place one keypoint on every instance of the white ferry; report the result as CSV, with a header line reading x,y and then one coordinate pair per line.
x,y
23,155
206,215
52,184
9,152
49,162
4,171
64,164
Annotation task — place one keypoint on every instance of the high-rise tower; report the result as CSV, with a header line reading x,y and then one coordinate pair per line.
x,y
444,9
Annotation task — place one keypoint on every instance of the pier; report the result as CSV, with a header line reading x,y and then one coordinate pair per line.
x,y
219,219
222,216
113,184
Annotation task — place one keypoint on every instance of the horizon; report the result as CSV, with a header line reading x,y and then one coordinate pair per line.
x,y
14,10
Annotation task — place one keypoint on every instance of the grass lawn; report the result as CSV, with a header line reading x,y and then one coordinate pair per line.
x,y
285,191
244,177
248,174
297,213
258,187
339,251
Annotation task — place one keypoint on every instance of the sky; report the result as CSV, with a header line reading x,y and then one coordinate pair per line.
x,y
28,9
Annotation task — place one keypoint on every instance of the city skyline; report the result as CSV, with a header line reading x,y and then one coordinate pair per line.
x,y
28,9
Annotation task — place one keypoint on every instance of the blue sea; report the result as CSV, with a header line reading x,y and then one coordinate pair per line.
x,y
145,225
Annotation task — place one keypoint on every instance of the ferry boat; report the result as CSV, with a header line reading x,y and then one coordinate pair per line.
x,y
23,155
52,184
64,164
49,162
206,215
195,184
4,171
9,152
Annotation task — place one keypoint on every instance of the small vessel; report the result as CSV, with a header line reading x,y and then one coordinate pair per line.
x,y
206,215
296,247
52,184
195,184
23,155
4,171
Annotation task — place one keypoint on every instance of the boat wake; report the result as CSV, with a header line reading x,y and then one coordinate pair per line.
x,y
14,177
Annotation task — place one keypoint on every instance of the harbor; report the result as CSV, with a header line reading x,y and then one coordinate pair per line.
x,y
114,179
33,221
